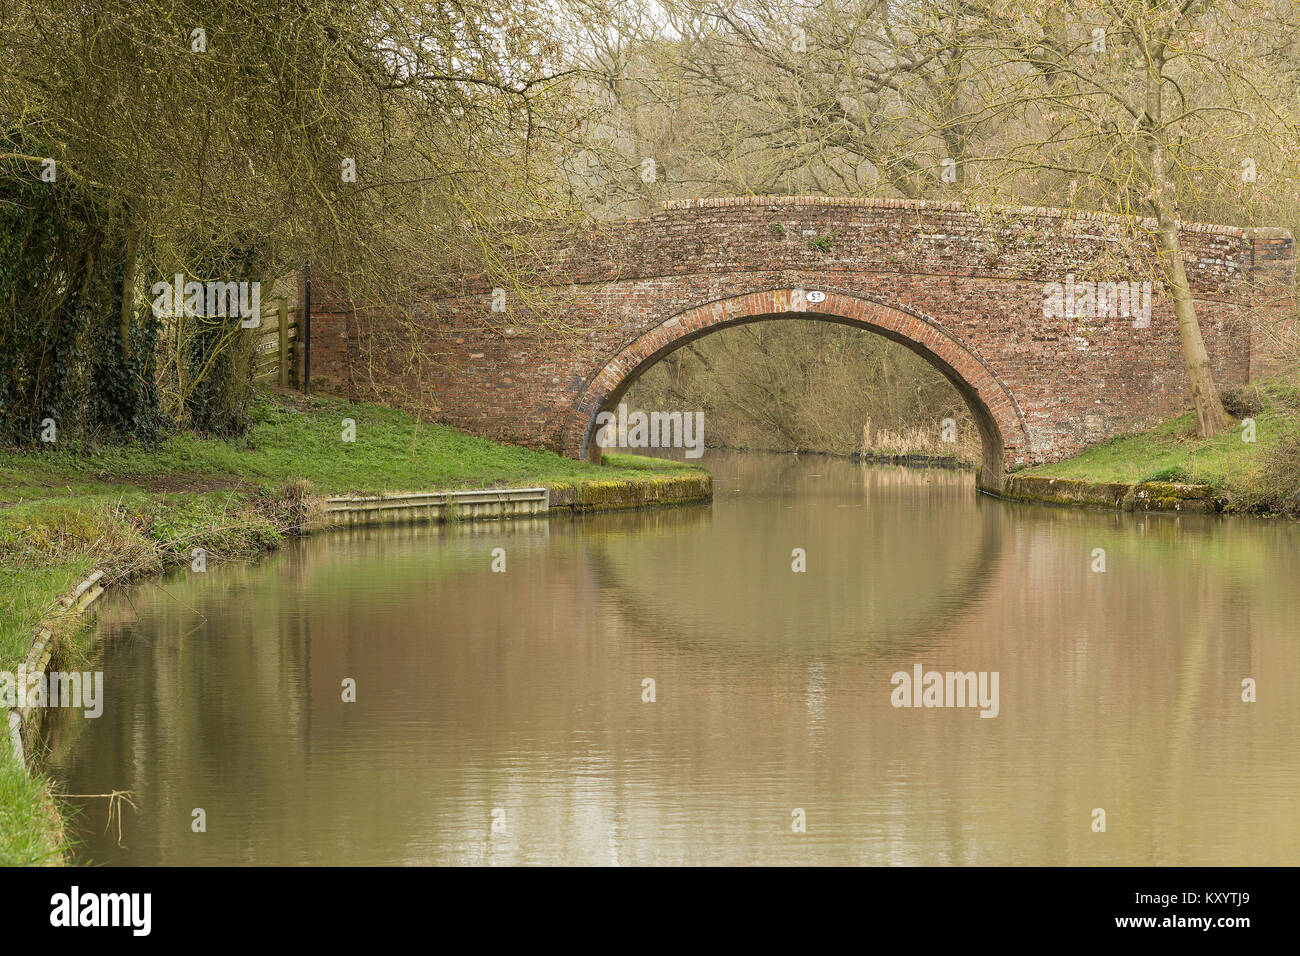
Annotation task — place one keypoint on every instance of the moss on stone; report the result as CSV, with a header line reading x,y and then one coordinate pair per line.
x,y
1146,496
631,493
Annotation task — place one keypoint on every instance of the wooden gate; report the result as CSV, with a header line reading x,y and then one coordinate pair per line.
x,y
275,355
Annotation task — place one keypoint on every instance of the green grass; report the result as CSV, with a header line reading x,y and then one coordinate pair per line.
x,y
30,830
1172,452
391,452
130,509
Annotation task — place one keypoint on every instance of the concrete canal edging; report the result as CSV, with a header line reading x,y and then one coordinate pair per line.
x,y
496,503
621,495
74,603
1156,496
431,506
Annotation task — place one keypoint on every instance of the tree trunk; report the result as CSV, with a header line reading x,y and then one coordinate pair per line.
x,y
1210,416
128,290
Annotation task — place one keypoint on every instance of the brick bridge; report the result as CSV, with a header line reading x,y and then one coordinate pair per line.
x,y
962,287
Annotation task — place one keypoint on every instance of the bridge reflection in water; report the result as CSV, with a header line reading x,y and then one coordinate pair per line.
x,y
522,692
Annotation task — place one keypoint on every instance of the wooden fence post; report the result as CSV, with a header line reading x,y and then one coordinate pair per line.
x,y
283,336
305,331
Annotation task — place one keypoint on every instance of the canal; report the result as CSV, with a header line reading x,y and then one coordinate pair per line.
x,y
506,716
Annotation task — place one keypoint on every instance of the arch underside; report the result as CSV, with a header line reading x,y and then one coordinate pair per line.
x,y
1003,434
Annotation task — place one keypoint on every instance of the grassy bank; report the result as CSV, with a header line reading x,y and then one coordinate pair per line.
x,y
65,511
1262,476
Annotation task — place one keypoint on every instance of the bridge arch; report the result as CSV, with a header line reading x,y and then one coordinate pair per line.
x,y
1003,432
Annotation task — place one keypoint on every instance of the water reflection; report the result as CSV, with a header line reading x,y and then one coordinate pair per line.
x,y
522,691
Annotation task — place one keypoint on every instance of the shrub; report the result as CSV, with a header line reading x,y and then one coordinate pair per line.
x,y
1243,401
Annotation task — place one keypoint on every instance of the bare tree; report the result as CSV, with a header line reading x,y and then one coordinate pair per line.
x,y
1147,105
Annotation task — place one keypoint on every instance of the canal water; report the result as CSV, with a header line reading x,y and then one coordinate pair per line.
x,y
503,717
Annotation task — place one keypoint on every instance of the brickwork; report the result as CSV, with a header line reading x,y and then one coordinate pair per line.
x,y
963,287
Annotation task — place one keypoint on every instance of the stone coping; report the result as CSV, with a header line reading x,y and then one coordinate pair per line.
x,y
935,205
